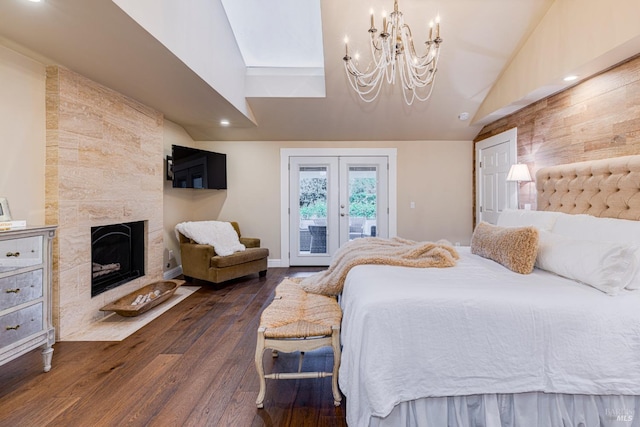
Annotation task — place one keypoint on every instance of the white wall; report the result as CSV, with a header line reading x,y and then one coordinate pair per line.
x,y
178,203
575,37
22,135
436,175
200,35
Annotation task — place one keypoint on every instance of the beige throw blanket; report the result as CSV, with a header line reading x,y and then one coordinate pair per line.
x,y
377,250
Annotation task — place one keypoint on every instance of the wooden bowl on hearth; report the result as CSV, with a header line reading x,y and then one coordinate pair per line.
x,y
160,291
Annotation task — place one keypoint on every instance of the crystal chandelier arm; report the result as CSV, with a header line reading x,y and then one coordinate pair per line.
x,y
428,94
359,79
372,85
364,86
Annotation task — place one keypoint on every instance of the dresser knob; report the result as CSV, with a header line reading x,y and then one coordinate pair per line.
x,y
13,291
14,254
12,328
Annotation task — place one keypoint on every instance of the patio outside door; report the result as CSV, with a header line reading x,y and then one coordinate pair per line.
x,y
334,200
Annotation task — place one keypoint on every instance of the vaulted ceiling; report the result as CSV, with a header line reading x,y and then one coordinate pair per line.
x,y
309,98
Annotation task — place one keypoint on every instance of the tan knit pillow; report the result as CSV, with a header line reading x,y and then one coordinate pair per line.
x,y
514,247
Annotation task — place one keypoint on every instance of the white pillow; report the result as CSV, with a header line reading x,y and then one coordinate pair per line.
x,y
608,267
615,230
542,220
599,229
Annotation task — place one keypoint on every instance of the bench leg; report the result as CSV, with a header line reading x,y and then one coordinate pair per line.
x,y
260,368
335,343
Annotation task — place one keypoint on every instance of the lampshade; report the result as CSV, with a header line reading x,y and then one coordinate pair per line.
x,y
519,172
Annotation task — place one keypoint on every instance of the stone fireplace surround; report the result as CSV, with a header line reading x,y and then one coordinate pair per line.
x,y
104,165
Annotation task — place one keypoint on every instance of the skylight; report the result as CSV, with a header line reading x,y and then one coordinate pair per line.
x,y
281,38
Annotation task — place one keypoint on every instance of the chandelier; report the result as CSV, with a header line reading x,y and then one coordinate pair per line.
x,y
393,54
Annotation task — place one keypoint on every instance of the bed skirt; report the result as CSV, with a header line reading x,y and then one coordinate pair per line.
x,y
534,409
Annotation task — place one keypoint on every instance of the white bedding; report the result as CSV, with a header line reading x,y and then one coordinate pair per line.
x,y
479,328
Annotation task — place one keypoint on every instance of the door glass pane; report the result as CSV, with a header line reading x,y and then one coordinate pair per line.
x,y
313,209
363,203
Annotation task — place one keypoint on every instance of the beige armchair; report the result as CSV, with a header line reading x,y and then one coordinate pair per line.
x,y
202,262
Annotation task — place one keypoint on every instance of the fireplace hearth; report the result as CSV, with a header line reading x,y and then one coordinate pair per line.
x,y
117,255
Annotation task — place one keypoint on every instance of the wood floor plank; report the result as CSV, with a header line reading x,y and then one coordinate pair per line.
x,y
48,410
39,385
208,355
193,365
214,400
240,411
135,395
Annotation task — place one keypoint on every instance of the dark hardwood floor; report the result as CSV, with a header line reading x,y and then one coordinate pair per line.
x,y
192,366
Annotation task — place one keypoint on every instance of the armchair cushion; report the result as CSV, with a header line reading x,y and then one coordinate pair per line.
x,y
239,257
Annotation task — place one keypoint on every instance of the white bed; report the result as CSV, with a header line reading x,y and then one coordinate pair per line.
x,y
479,345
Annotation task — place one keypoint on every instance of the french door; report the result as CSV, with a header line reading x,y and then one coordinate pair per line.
x,y
334,199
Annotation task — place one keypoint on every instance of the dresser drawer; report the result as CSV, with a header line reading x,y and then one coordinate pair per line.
x,y
20,324
22,252
20,288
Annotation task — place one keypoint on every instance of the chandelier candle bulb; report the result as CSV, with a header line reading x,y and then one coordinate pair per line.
x,y
372,24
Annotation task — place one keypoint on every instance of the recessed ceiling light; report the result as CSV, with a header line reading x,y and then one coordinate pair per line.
x,y
35,1
224,122
463,116
570,78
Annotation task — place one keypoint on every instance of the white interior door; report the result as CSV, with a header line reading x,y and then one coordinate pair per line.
x,y
495,156
332,200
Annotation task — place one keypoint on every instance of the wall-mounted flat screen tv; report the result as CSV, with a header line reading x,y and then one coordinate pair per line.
x,y
194,168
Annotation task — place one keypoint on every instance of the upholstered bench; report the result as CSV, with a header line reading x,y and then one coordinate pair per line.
x,y
299,321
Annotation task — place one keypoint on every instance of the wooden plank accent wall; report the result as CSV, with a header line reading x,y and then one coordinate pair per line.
x,y
595,119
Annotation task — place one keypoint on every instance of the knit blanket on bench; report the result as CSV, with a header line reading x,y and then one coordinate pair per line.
x,y
377,250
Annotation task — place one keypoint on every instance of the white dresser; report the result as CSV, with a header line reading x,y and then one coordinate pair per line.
x,y
25,293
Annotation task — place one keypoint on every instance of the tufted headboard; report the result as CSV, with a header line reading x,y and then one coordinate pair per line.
x,y
603,188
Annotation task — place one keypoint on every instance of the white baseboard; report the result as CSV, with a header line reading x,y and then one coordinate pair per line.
x,y
274,263
173,273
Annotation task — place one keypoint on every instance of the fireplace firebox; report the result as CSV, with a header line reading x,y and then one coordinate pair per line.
x,y
117,255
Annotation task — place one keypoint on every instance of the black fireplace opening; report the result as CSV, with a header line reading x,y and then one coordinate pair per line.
x,y
117,255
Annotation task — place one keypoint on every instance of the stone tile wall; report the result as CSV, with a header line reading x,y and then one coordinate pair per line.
x,y
104,165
